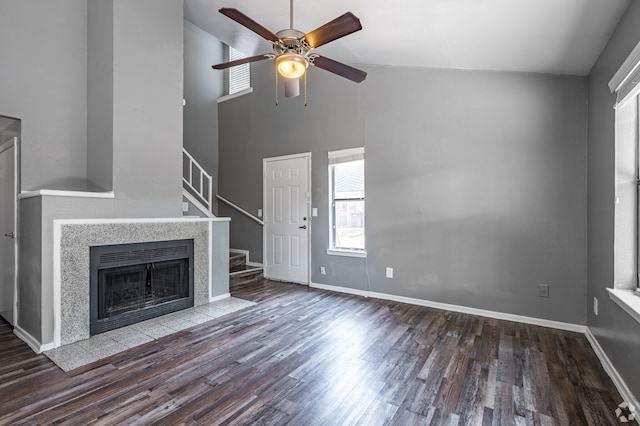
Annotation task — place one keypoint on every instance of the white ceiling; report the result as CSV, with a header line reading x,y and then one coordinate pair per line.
x,y
542,36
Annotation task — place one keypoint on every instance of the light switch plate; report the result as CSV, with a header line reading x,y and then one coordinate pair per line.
x,y
259,212
314,212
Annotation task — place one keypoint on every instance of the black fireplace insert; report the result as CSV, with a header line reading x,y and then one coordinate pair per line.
x,y
130,283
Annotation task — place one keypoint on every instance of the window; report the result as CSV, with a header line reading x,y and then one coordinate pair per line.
x,y
346,202
626,84
240,75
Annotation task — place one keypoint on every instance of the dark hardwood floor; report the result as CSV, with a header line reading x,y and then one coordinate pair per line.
x,y
310,357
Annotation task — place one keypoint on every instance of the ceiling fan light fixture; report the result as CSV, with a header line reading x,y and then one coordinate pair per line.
x,y
291,65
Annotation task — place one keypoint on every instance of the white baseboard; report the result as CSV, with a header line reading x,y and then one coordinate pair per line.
x,y
339,289
611,371
31,341
457,308
220,297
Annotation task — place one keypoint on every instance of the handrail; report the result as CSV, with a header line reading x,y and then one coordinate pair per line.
x,y
240,209
204,176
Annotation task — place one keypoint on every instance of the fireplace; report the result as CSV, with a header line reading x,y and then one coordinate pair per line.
x,y
130,283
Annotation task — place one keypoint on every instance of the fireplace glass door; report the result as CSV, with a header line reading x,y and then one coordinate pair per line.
x,y
135,287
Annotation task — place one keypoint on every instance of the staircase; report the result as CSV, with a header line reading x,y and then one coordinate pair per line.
x,y
198,192
240,272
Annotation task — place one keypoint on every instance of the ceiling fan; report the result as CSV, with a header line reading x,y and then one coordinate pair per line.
x,y
293,49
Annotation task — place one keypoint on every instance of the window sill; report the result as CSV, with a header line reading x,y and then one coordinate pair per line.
x,y
629,300
347,253
235,95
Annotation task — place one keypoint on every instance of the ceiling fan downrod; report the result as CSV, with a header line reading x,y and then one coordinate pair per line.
x,y
291,14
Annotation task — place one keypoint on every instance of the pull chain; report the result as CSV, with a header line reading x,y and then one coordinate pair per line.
x,y
305,89
276,88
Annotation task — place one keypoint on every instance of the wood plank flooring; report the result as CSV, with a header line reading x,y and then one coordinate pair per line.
x,y
310,357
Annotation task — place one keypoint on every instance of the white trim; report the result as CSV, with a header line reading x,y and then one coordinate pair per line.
x,y
626,69
141,220
57,284
246,258
240,251
339,289
210,259
347,253
31,341
197,204
628,300
13,143
235,95
457,308
220,297
619,383
58,193
346,152
287,157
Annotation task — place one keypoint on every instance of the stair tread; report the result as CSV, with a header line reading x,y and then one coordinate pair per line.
x,y
246,270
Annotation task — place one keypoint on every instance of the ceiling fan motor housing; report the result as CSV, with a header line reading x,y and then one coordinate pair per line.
x,y
291,41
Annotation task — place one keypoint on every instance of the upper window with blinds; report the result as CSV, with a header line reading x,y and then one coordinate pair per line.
x,y
240,75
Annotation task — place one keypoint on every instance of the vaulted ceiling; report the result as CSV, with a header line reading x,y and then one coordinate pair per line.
x,y
542,36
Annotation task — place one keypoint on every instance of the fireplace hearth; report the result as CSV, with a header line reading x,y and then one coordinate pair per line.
x,y
130,283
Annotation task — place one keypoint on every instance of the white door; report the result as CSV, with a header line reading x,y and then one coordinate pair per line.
x,y
8,194
287,198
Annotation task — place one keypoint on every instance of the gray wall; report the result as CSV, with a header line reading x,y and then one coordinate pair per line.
x,y
202,87
29,290
43,82
147,108
475,181
100,91
615,330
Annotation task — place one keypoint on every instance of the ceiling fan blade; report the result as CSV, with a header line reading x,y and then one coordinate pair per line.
x,y
339,27
241,61
244,20
340,69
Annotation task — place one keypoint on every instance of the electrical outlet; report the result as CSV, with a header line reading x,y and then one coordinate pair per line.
x,y
185,207
595,305
389,272
323,271
259,212
543,290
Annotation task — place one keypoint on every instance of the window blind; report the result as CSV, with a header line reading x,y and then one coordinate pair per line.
x,y
240,75
626,82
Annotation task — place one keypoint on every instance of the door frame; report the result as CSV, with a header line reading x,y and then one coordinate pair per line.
x,y
265,254
15,144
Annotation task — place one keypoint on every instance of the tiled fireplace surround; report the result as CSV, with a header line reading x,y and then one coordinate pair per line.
x,y
73,238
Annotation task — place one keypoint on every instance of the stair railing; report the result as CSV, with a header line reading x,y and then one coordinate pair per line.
x,y
203,191
240,209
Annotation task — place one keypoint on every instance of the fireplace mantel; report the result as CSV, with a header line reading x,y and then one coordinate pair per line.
x,y
73,238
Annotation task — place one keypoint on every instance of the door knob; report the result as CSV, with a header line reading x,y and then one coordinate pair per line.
x,y
10,234
302,227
